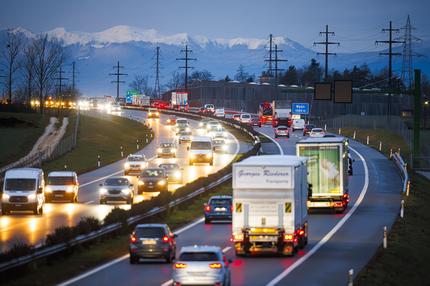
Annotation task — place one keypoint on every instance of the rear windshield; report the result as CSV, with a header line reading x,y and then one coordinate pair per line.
x,y
246,116
149,232
135,159
152,110
310,126
117,182
220,202
283,128
200,145
317,130
61,180
181,121
209,106
152,173
20,184
199,256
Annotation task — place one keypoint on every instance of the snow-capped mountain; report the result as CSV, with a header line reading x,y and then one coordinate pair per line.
x,y
96,53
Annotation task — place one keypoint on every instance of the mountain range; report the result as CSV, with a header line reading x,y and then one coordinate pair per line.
x,y
96,53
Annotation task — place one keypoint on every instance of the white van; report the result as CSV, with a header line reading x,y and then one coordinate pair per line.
x,y
62,185
245,118
298,124
23,190
200,150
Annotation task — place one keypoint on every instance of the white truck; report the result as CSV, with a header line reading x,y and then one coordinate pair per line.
x,y
269,205
179,100
328,171
281,113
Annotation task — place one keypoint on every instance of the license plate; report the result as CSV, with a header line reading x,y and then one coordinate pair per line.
x,y
18,205
220,209
149,242
319,204
262,238
58,196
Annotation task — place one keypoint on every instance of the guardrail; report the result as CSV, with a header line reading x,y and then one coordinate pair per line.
x,y
400,163
42,252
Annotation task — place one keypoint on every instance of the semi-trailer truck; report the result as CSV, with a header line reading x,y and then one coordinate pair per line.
x,y
269,205
327,171
281,113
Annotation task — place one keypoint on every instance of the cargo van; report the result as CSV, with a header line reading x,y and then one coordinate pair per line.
x,y
298,124
62,185
201,150
23,190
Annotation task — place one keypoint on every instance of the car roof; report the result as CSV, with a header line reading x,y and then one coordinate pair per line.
x,y
282,126
143,225
61,174
201,139
20,172
136,156
221,197
201,248
117,177
316,128
176,164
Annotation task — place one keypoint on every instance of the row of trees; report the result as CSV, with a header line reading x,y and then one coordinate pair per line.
x,y
29,67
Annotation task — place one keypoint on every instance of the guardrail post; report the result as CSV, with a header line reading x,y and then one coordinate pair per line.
x,y
367,140
402,208
380,146
353,136
325,127
122,152
398,150
340,131
408,187
350,277
391,153
137,144
98,161
384,242
65,167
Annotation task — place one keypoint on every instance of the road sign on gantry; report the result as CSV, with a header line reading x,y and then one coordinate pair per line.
x,y
300,108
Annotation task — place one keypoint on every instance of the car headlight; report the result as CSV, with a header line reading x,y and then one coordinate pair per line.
x,y
159,150
224,147
192,155
201,124
187,129
125,191
141,183
31,197
5,197
127,165
168,120
48,190
208,155
173,150
161,183
143,165
103,191
177,174
69,189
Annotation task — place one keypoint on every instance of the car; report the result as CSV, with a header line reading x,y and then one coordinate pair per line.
x,y
282,131
298,124
153,113
200,150
171,120
134,164
219,145
182,124
116,189
116,107
213,125
218,132
236,117
166,150
204,122
307,129
255,121
329,135
201,265
62,185
152,241
245,118
173,172
218,208
152,180
185,136
209,108
317,132
219,112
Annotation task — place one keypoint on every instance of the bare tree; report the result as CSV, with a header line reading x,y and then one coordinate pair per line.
x,y
48,58
140,84
10,54
177,80
28,65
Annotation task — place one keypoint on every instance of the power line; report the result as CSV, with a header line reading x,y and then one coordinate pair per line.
x,y
326,43
60,84
186,59
407,66
157,74
117,81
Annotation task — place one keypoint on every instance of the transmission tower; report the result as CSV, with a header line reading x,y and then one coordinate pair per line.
x,y
117,81
60,84
326,43
186,67
157,74
270,59
73,79
277,60
407,66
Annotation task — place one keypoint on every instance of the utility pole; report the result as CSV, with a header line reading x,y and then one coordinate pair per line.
x,y
277,60
270,59
326,43
186,59
417,113
390,55
117,81
407,66
157,74
73,79
60,85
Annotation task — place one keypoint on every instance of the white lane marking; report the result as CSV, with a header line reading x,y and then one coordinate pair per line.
x,y
226,249
332,232
274,141
89,202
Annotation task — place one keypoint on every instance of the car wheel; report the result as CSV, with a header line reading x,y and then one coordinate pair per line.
x,y
133,260
211,163
40,211
102,202
207,221
169,258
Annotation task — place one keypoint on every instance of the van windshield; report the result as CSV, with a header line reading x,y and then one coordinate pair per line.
x,y
20,184
200,145
60,181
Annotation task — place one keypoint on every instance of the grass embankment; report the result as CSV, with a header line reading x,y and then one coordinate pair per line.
x,y
18,133
100,137
86,257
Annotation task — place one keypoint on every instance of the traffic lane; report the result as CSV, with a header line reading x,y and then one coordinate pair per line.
x,y
357,241
287,144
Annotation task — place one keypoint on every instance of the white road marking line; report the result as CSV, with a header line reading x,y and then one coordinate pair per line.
x,y
226,249
274,141
89,202
332,232
167,283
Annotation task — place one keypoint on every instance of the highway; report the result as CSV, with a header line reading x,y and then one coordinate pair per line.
x,y
337,242
31,229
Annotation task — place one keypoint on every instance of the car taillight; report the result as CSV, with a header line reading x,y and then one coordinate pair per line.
x,y
231,208
215,265
133,239
207,208
166,239
300,232
180,265
288,237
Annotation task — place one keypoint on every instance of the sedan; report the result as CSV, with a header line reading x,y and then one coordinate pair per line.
x,y
308,128
173,172
152,180
218,208
317,132
166,150
116,189
171,121
282,131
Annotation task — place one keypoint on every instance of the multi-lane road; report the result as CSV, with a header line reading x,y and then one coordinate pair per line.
x,y
32,229
337,242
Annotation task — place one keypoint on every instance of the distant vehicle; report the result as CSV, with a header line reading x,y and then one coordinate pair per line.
x,y
218,208
173,172
255,121
317,132
201,265
245,118
116,189
281,113
213,125
219,132
308,128
261,223
166,150
116,107
203,123
152,180
219,145
153,113
185,136
181,123
298,124
282,131
265,112
327,171
200,150
219,112
152,241
62,185
209,108
171,120
23,190
236,117
134,164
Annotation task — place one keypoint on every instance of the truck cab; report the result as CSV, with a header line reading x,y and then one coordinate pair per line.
x,y
200,150
23,190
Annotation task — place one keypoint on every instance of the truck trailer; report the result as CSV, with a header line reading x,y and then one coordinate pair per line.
x,y
269,205
281,113
328,171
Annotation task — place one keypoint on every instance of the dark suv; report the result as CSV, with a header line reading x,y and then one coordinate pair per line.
x,y
152,241
218,208
152,180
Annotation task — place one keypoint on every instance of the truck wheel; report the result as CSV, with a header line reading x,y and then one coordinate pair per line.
x,y
207,221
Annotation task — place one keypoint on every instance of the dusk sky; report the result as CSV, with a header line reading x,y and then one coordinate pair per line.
x,y
357,23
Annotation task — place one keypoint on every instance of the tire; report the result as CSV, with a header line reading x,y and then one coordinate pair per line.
x,y
102,202
207,221
41,210
211,163
133,260
169,258
130,201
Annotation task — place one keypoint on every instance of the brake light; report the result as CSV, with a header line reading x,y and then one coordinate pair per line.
x,y
166,239
180,265
288,237
231,208
215,265
133,239
300,232
207,208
